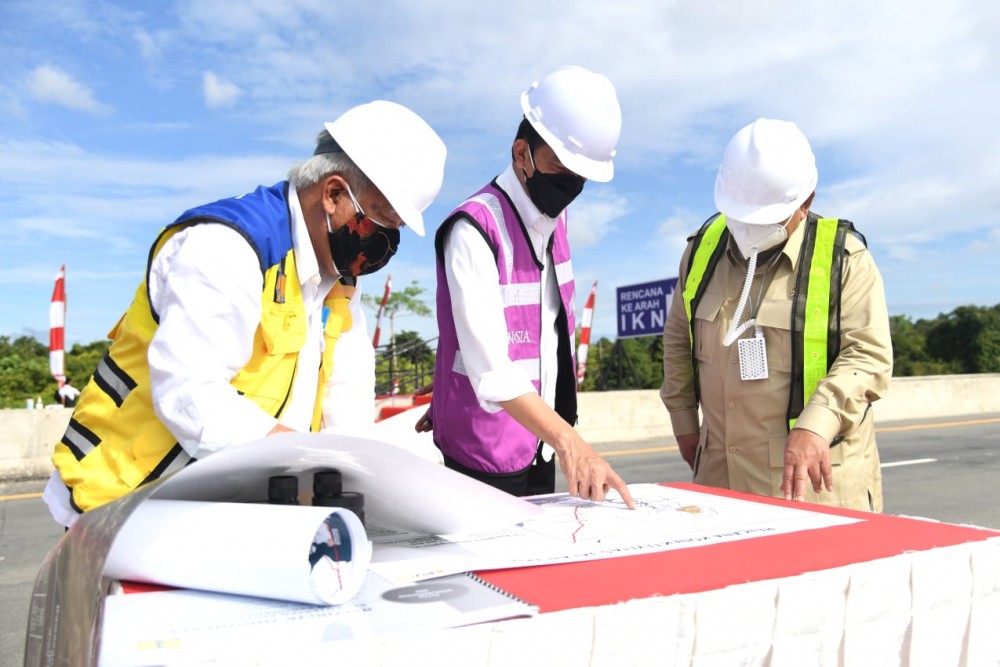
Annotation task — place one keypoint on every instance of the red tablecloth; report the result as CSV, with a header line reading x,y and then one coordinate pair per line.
x,y
703,568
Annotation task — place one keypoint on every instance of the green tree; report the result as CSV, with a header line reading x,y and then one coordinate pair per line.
x,y
596,356
406,301
637,363
413,366
24,371
411,347
909,349
968,338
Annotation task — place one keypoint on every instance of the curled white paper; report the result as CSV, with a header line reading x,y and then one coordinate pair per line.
x,y
316,555
401,489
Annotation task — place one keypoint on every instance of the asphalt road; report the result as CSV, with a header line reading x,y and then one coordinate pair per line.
x,y
948,470
943,470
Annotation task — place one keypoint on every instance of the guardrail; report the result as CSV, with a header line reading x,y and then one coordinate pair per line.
x,y
27,436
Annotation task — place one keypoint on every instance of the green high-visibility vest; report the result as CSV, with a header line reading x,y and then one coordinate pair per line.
x,y
815,321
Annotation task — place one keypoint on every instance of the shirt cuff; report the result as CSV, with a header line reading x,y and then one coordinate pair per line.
x,y
246,425
498,386
684,422
821,420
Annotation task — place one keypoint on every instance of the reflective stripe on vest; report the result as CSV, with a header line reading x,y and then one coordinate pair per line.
x,y
707,246
493,442
816,301
115,442
815,321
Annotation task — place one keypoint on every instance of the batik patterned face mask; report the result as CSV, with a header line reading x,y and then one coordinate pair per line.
x,y
363,245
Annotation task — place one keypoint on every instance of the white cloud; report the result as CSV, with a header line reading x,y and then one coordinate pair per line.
x,y
990,244
150,44
898,98
53,85
593,214
219,92
10,103
147,194
673,234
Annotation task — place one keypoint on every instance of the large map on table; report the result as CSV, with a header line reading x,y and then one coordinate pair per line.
x,y
570,529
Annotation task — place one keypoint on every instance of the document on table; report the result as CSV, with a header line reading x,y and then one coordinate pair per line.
x,y
186,626
571,529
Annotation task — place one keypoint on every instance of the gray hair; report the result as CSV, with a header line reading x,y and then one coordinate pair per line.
x,y
320,166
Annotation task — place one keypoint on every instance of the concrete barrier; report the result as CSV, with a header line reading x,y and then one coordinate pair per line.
x,y
27,436
639,415
26,441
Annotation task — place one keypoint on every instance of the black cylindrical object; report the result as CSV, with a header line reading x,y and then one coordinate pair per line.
x,y
328,491
283,490
349,500
354,501
327,486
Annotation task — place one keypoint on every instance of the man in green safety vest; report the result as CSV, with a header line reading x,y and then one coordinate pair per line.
x,y
779,333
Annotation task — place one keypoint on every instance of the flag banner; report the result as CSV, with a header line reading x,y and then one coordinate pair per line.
x,y
57,328
381,309
584,345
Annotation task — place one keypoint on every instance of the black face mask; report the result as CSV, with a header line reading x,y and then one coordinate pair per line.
x,y
355,255
552,193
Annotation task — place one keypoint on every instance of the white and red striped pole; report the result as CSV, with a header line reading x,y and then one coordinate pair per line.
x,y
584,346
57,328
381,310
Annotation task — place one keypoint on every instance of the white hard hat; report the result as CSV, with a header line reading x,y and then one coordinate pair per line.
x,y
576,112
399,153
767,171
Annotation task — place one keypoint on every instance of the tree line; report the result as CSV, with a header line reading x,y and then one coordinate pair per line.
x,y
966,340
24,369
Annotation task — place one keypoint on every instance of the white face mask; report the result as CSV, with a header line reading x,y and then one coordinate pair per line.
x,y
752,240
761,237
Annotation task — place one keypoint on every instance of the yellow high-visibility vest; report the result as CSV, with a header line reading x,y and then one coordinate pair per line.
x,y
815,321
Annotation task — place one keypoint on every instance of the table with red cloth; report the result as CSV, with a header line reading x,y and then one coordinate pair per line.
x,y
880,590
883,590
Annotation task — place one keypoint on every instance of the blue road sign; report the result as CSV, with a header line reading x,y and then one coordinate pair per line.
x,y
642,309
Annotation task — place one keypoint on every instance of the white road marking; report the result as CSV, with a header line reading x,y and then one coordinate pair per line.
x,y
911,462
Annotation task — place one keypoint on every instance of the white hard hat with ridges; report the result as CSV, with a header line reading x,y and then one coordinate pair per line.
x,y
768,170
576,112
399,153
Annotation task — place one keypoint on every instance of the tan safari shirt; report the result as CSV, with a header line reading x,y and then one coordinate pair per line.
x,y
743,428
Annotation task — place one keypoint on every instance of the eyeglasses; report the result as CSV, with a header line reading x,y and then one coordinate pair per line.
x,y
361,215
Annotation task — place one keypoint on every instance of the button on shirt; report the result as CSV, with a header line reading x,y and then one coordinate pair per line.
x,y
205,283
473,281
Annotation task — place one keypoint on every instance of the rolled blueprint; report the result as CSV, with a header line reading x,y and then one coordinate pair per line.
x,y
316,555
401,489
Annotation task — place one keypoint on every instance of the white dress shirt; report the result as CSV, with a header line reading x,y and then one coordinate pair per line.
x,y
205,284
349,399
68,392
477,306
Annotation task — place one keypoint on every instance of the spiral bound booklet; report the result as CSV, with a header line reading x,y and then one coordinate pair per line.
x,y
182,626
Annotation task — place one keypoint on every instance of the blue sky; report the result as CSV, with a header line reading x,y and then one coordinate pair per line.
x,y
116,116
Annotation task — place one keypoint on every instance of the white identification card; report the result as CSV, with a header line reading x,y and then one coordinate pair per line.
x,y
753,358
